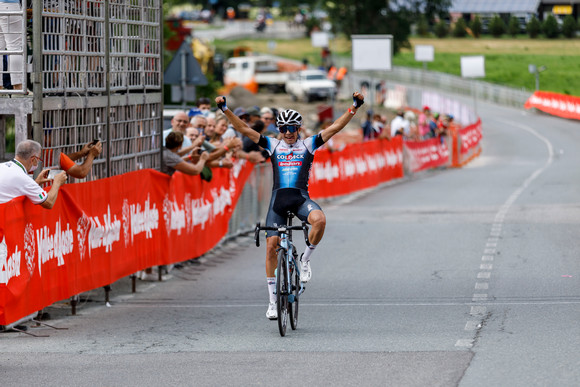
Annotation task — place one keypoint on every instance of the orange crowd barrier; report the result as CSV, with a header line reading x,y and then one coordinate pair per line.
x,y
567,106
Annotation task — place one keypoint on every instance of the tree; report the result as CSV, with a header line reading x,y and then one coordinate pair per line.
x,y
569,26
372,17
459,31
476,27
514,26
441,29
430,9
497,26
423,26
533,28
550,27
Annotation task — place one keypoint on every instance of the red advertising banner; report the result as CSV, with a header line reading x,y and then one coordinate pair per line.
x,y
560,105
104,230
470,136
427,154
358,166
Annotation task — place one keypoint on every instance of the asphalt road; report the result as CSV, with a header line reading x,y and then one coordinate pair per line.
x,y
466,277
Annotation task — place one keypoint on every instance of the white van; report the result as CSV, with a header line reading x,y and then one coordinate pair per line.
x,y
253,72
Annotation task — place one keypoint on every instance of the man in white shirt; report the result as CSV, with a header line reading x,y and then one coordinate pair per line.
x,y
15,180
400,125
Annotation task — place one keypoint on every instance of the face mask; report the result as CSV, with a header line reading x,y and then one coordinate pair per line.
x,y
33,167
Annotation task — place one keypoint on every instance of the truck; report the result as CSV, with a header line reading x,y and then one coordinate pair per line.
x,y
253,72
308,85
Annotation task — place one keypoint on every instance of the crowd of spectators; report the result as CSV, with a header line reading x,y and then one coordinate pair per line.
x,y
406,123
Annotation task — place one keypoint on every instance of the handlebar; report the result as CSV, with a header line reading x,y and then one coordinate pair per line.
x,y
281,229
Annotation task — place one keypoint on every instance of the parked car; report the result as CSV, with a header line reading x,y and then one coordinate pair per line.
x,y
308,85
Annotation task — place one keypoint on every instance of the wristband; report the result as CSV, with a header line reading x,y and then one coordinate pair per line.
x,y
226,148
351,111
190,158
222,106
221,163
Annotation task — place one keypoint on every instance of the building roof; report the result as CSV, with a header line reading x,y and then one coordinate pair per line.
x,y
494,6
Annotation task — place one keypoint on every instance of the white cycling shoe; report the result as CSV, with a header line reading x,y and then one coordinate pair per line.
x,y
272,312
305,271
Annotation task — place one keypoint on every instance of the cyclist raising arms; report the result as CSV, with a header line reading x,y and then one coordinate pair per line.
x,y
291,161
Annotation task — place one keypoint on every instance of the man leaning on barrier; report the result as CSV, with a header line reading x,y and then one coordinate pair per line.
x,y
15,180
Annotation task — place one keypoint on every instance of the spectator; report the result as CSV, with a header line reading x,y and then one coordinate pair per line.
x,y
242,115
433,125
210,124
172,161
200,123
423,123
204,105
443,127
269,118
253,115
15,182
413,133
179,123
192,133
250,146
222,133
11,39
367,126
399,125
221,126
90,151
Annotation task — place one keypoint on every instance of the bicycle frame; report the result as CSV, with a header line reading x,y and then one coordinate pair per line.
x,y
288,284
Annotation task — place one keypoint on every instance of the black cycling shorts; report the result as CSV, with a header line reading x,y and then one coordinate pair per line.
x,y
288,199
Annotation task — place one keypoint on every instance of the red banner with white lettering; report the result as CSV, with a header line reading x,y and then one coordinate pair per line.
x,y
560,105
104,230
470,137
426,154
358,166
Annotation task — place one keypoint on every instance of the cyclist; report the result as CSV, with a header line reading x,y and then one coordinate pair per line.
x,y
291,161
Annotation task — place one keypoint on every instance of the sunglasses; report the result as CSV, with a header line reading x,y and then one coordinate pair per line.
x,y
289,128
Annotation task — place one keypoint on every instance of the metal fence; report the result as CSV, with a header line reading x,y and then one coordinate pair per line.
x,y
96,74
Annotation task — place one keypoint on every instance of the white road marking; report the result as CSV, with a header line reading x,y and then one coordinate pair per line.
x,y
482,285
478,310
486,266
484,274
479,297
487,258
471,325
464,343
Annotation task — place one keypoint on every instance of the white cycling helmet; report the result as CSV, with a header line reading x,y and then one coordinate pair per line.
x,y
289,117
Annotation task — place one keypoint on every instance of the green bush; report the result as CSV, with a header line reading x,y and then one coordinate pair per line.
x,y
476,27
569,26
497,27
423,26
550,27
533,27
513,26
459,31
441,29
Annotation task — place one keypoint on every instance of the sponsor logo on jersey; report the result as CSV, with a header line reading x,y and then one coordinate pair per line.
x,y
290,163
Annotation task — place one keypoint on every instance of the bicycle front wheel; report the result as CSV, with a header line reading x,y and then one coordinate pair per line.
x,y
293,307
282,292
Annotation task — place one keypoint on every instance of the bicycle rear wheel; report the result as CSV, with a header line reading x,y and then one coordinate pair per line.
x,y
282,292
293,307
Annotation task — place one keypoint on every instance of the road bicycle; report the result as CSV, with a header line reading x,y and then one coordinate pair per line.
x,y
288,285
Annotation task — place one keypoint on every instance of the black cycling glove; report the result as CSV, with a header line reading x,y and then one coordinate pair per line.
x,y
357,101
222,106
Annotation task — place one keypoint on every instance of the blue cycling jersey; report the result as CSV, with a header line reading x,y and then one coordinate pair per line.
x,y
291,163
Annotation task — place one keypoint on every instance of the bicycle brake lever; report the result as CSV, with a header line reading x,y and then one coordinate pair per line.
x,y
257,234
